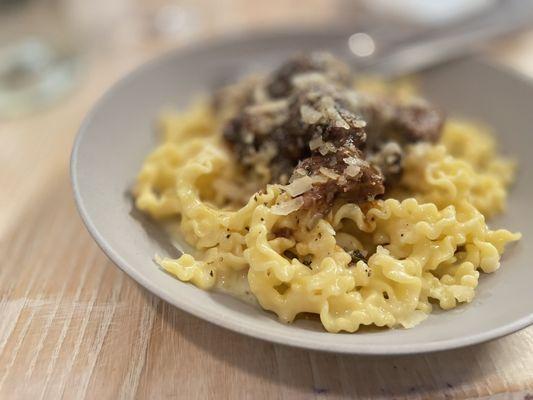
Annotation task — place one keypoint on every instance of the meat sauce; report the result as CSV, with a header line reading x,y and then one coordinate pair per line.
x,y
306,120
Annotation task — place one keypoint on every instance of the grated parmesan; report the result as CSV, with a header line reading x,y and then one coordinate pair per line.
x,y
287,207
329,173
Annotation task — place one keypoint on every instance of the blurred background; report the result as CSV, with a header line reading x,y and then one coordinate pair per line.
x,y
58,56
48,48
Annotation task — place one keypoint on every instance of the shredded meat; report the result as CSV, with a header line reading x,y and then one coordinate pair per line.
x,y
305,120
280,84
359,182
283,232
411,122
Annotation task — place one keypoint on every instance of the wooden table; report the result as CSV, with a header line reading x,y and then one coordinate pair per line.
x,y
74,326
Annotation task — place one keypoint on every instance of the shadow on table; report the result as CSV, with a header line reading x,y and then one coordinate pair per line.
x,y
318,373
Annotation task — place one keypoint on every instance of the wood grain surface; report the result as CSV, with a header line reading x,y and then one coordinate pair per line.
x,y
74,326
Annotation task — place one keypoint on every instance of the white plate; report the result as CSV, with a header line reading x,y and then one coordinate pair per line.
x,y
118,134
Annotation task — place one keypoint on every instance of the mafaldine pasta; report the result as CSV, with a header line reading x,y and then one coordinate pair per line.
x,y
310,191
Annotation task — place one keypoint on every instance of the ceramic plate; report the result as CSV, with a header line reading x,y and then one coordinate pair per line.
x,y
118,134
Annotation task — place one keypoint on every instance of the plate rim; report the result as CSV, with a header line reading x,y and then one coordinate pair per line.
x,y
250,331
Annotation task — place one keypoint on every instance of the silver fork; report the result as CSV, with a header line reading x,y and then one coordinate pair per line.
x,y
400,54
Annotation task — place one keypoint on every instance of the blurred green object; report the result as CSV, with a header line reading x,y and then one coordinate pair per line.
x,y
4,4
33,74
39,60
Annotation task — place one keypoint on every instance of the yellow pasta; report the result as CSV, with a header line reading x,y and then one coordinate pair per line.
x,y
425,244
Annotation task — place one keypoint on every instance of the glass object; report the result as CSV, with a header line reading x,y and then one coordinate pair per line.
x,y
39,60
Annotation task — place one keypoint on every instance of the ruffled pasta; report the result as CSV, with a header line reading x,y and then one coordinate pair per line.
x,y
463,168
384,265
